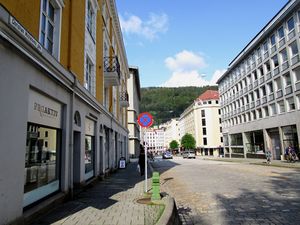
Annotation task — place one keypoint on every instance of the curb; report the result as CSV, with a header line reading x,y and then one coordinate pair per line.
x,y
170,215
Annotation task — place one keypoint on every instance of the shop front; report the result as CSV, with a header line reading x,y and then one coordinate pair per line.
x,y
89,147
43,148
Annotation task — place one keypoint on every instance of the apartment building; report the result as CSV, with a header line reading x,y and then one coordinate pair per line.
x,y
260,92
202,120
133,111
171,129
154,139
63,113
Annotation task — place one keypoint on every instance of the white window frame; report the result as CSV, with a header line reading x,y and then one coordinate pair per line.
x,y
89,76
58,5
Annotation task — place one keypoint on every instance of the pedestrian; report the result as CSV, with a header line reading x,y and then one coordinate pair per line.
x,y
287,153
268,156
142,160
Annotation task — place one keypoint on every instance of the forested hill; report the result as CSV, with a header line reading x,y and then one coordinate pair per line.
x,y
166,103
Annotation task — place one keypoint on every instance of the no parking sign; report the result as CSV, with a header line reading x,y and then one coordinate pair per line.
x,y
145,119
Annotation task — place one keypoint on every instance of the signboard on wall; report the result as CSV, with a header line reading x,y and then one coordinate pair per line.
x,y
44,110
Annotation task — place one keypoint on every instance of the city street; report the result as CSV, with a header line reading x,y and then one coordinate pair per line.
x,y
215,192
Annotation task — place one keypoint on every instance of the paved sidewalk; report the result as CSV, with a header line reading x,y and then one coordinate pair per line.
x,y
109,202
263,162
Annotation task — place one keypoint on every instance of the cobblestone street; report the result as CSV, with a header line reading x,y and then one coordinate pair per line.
x,y
210,192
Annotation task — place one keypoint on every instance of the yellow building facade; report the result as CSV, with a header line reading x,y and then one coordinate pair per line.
x,y
64,66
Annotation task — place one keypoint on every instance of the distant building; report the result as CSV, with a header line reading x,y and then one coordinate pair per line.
x,y
134,93
171,131
154,138
260,92
202,120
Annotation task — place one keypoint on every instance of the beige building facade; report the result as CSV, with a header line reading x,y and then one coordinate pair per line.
x,y
260,92
133,111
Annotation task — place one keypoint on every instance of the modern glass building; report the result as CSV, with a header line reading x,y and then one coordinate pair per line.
x,y
260,91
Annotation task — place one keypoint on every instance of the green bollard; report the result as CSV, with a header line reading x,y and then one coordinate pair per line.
x,y
155,186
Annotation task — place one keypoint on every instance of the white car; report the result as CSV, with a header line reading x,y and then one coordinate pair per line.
x,y
189,154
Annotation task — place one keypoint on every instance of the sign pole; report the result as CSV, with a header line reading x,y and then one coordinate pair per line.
x,y
145,120
146,166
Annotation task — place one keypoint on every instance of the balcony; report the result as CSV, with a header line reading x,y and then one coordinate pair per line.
x,y
124,99
288,90
112,71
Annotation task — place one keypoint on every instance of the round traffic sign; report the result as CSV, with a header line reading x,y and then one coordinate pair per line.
x,y
145,119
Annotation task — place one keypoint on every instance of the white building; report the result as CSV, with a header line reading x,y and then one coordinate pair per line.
x,y
260,92
171,131
154,138
133,87
202,120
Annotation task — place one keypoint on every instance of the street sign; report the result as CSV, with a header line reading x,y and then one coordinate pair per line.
x,y
145,119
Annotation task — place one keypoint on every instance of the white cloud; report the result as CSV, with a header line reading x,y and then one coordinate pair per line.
x,y
149,29
183,79
185,67
217,74
185,60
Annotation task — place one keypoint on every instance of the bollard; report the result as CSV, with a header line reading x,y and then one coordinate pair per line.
x,y
155,186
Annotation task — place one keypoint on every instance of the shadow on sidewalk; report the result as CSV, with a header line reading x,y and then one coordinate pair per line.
x,y
100,196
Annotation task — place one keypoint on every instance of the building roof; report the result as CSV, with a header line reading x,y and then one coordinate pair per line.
x,y
209,95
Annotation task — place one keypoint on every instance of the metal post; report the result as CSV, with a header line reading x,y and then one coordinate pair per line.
x,y
146,172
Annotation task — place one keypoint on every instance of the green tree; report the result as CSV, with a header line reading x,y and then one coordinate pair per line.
x,y
188,141
173,144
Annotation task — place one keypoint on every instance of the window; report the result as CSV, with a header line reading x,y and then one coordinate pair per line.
x,y
50,26
291,104
204,131
205,141
280,33
278,83
268,67
291,24
219,110
203,122
275,61
263,91
266,111
90,19
42,159
253,115
270,87
47,26
203,113
221,139
281,106
265,46
261,70
297,74
287,79
273,109
294,48
273,39
283,55
46,133
220,129
209,102
259,112
88,76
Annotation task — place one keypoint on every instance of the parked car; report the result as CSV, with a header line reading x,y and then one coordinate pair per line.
x,y
167,155
189,154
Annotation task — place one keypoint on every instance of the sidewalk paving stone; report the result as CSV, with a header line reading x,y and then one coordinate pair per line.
x,y
108,202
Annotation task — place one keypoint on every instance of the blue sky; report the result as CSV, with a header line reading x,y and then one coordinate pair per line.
x,y
189,43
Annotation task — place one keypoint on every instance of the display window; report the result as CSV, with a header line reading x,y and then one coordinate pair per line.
x,y
42,162
89,149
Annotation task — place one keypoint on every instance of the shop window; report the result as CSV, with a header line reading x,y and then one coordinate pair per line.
x,y
42,159
89,154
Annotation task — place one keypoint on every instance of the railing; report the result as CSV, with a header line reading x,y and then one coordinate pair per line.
x,y
111,64
124,99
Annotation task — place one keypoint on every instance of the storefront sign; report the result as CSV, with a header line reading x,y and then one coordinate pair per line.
x,y
89,127
43,110
25,33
